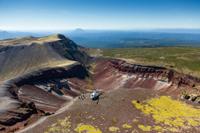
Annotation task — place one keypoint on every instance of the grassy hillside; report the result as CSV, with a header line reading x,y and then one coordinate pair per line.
x,y
183,59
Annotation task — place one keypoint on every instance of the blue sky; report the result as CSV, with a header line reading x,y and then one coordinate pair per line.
x,y
98,14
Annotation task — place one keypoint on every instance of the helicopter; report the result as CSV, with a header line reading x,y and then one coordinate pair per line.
x,y
95,95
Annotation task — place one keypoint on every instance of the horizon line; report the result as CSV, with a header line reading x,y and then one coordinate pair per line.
x,y
93,29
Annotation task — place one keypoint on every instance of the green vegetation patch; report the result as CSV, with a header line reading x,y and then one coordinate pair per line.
x,y
183,59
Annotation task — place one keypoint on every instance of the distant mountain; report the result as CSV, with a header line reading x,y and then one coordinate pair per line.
x,y
78,30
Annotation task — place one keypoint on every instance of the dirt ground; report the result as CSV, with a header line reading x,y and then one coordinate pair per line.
x,y
113,110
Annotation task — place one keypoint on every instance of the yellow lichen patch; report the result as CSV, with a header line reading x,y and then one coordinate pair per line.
x,y
193,122
144,128
173,129
86,128
158,128
169,112
113,129
126,126
60,126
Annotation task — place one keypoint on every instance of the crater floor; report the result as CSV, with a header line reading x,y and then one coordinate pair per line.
x,y
143,100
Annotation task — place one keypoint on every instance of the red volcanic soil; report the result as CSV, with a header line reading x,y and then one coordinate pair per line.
x,y
42,99
41,78
42,93
121,82
113,74
113,109
45,92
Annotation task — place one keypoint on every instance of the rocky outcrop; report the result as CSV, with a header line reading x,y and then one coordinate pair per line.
x,y
23,113
68,49
144,71
156,72
10,119
192,97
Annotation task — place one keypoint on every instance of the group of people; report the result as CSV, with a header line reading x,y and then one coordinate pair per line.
x,y
94,96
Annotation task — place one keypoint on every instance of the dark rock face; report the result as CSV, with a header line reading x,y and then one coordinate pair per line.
x,y
28,110
76,70
70,50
